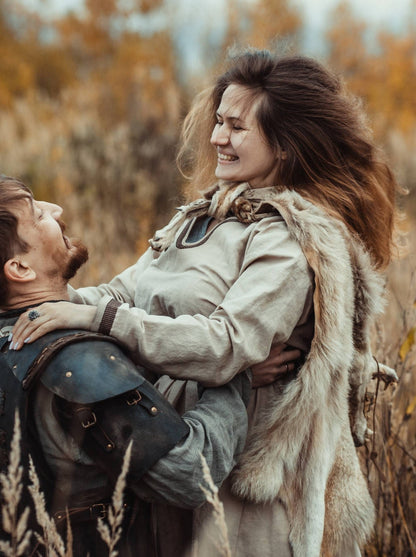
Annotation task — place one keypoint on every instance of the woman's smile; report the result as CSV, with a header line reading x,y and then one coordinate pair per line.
x,y
224,158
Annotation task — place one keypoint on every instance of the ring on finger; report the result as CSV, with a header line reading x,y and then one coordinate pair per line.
x,y
33,314
287,367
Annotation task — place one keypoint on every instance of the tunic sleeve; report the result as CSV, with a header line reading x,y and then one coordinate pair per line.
x,y
120,288
217,430
262,307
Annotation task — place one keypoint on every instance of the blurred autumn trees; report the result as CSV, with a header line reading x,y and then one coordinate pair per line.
x,y
381,69
383,74
91,104
90,114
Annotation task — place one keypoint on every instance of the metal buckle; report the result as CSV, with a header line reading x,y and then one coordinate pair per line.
x,y
5,331
88,421
98,510
133,397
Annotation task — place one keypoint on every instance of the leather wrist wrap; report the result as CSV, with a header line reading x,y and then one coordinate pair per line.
x,y
108,317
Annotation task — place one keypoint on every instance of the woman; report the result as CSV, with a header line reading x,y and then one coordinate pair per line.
x,y
285,247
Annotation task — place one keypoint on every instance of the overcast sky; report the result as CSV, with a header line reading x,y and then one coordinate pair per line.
x,y
384,12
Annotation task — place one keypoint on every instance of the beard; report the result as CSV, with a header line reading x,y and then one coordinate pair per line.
x,y
77,258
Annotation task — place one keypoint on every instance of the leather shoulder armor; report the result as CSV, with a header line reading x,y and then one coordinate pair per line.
x,y
78,366
90,370
101,399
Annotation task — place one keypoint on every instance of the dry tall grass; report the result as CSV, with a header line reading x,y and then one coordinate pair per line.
x,y
220,533
111,532
14,522
390,457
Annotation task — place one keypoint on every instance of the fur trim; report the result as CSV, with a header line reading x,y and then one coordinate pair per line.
x,y
301,449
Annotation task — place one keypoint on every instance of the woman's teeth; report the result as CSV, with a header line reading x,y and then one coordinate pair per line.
x,y
223,157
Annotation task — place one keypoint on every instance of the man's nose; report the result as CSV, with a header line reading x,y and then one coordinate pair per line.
x,y
54,210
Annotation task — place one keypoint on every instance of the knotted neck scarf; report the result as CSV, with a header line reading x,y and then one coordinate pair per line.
x,y
247,204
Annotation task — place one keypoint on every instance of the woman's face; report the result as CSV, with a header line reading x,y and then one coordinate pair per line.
x,y
243,154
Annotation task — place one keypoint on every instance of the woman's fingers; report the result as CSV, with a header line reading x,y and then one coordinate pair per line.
x,y
30,334
26,327
47,317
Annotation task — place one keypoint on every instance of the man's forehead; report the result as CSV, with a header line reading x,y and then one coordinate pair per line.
x,y
24,208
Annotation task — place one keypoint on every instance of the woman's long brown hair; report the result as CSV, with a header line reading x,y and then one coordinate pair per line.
x,y
306,112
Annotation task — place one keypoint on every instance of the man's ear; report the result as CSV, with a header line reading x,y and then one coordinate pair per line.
x,y
17,270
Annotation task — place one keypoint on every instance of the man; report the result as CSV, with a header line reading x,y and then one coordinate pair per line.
x,y
81,400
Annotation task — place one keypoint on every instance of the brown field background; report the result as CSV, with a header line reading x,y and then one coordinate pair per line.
x,y
90,111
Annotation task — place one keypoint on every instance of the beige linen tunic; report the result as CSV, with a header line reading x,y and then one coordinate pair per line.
x,y
204,311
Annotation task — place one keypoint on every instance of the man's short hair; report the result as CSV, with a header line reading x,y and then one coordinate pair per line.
x,y
12,191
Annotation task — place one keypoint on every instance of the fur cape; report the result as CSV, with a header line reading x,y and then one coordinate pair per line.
x,y
301,449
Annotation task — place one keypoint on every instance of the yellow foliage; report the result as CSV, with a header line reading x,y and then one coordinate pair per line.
x,y
149,5
407,344
347,49
384,74
272,20
140,83
17,74
101,8
410,408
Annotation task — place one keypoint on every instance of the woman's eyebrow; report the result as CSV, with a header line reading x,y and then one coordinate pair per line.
x,y
226,116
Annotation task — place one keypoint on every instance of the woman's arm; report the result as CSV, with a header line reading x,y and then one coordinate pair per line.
x,y
272,293
121,287
270,296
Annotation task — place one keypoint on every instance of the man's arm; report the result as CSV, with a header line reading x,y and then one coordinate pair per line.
x,y
218,430
216,427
